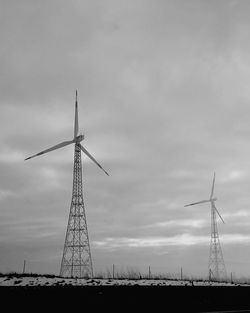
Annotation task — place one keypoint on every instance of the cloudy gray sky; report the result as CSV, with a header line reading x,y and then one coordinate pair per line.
x,y
164,101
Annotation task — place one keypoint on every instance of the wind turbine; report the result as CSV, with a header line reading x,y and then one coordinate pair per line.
x,y
216,267
76,259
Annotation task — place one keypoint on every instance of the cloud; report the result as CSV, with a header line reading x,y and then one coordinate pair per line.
x,y
234,175
163,102
179,223
179,240
238,214
4,194
11,157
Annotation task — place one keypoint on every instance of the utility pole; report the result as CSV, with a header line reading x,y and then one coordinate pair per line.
x,y
24,265
149,273
113,271
181,274
210,274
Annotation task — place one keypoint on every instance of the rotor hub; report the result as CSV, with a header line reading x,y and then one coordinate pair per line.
x,y
79,138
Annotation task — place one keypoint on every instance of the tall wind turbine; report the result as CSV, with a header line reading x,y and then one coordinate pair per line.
x,y
76,259
216,267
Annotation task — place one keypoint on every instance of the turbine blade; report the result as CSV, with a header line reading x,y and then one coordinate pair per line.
x,y
203,201
212,191
93,159
76,127
60,145
219,214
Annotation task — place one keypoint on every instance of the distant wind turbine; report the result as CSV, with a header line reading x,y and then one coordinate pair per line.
x,y
217,269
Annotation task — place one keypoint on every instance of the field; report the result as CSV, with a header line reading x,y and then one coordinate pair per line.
x,y
118,294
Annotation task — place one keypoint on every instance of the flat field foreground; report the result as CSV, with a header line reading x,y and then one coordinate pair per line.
x,y
33,293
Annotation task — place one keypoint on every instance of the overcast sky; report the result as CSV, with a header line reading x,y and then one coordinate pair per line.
x,y
164,101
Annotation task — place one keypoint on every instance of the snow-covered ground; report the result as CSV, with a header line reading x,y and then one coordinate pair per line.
x,y
45,281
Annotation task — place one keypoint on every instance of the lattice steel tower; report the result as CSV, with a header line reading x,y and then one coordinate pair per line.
x,y
216,266
76,259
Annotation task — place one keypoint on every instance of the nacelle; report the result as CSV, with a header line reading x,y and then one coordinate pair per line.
x,y
79,138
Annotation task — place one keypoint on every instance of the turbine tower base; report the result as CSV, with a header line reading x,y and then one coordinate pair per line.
x,y
76,260
217,268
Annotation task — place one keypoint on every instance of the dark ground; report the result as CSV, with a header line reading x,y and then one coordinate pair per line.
x,y
127,298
